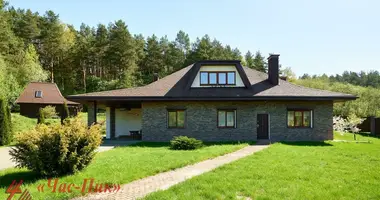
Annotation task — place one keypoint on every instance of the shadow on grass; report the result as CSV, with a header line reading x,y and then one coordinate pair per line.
x,y
26,176
367,134
321,144
167,144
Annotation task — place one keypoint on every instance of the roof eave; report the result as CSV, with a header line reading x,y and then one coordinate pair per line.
x,y
255,98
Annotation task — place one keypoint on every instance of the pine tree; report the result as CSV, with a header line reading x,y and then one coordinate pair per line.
x,y
182,42
259,62
154,60
41,117
121,54
6,134
65,112
249,59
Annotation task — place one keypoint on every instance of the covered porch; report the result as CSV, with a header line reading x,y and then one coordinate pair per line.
x,y
123,118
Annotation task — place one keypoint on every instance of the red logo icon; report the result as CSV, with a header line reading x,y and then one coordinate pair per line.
x,y
14,188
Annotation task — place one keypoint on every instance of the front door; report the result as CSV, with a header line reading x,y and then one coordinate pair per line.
x,y
262,126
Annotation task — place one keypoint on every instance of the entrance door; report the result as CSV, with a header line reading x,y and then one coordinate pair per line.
x,y
262,126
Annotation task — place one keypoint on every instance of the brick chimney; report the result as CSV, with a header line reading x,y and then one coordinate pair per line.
x,y
273,68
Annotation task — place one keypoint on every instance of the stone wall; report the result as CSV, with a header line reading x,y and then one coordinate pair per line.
x,y
201,121
91,113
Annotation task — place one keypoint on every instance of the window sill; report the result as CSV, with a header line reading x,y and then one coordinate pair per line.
x,y
300,127
176,127
226,127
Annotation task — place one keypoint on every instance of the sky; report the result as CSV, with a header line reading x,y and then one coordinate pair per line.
x,y
314,37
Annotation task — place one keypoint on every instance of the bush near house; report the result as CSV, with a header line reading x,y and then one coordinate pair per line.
x,y
41,117
185,143
65,112
6,134
48,111
57,149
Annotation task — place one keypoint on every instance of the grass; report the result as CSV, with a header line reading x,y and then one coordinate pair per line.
x,y
120,165
21,123
325,170
360,137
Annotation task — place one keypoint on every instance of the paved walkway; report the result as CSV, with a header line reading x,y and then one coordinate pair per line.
x,y
5,158
140,188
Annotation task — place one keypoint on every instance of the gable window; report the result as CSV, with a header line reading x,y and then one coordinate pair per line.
x,y
300,118
204,78
176,118
231,78
212,78
226,118
38,94
217,78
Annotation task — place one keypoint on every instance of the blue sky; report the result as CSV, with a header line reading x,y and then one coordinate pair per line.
x,y
312,37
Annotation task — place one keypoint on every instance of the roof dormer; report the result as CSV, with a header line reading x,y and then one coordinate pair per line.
x,y
219,74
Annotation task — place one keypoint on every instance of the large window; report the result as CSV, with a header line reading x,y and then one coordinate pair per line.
x,y
218,78
300,118
226,118
176,118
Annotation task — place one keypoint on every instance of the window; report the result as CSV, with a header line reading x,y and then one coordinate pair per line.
x,y
204,78
300,118
176,118
212,78
226,118
217,78
231,78
38,94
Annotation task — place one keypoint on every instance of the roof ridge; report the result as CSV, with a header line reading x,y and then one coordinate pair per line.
x,y
167,76
300,86
316,88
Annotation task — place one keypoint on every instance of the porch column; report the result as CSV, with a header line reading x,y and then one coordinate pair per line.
x,y
112,122
91,113
373,125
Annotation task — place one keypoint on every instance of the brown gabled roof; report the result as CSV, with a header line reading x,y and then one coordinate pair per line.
x,y
50,94
176,87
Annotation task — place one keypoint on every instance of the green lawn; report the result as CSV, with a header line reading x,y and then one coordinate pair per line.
x,y
120,165
330,170
21,123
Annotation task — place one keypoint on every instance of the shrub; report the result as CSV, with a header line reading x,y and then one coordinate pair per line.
x,y
57,149
48,111
6,134
185,143
41,117
65,112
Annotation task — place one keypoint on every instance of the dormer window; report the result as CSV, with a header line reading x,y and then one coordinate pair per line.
x,y
217,78
38,94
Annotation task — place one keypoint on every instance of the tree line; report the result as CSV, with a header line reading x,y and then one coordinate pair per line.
x,y
368,103
40,47
362,78
37,47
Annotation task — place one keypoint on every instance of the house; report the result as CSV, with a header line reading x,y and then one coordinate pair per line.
x,y
218,101
38,95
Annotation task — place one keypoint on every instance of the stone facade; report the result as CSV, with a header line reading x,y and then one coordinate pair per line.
x,y
91,114
201,121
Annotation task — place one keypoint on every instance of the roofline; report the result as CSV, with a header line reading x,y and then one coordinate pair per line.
x,y
256,98
48,103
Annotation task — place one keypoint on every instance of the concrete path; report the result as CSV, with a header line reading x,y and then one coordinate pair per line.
x,y
6,162
5,158
140,188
